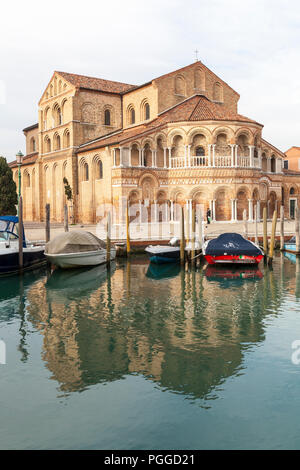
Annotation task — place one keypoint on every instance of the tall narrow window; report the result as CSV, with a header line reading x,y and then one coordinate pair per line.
x,y
32,146
147,111
86,172
100,170
107,117
47,144
132,116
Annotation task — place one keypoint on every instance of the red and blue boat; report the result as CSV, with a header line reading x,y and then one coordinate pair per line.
x,y
231,248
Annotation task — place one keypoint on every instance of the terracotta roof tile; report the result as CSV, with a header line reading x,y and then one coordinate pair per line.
x,y
27,160
92,83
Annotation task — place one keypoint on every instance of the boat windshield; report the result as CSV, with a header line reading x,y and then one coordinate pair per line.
x,y
8,230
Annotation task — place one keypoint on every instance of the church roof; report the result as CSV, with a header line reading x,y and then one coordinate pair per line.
x,y
98,84
196,108
27,160
200,108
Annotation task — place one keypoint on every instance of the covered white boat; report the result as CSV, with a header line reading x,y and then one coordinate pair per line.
x,y
77,249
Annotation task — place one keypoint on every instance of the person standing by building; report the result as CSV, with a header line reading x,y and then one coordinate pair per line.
x,y
208,216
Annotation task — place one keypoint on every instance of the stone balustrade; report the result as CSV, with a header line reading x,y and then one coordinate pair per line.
x,y
212,160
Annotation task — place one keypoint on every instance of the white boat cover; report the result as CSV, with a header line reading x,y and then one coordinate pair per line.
x,y
76,241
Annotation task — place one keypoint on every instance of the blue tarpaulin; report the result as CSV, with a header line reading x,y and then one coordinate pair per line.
x,y
231,244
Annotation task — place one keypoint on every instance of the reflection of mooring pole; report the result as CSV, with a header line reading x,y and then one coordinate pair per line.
x,y
297,230
281,227
265,233
193,237
272,242
108,235
182,241
21,234
22,329
127,231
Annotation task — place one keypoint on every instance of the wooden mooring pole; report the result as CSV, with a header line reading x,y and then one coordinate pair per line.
x,y
281,228
256,224
20,215
265,233
182,241
245,224
108,237
47,222
272,242
66,218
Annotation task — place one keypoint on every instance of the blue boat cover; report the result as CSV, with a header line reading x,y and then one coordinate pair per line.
x,y
231,244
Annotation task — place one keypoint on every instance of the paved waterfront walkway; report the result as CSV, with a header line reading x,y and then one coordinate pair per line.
x,y
36,230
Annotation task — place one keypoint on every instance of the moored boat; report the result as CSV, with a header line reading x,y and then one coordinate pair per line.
x,y
290,246
164,253
77,249
33,256
231,248
170,253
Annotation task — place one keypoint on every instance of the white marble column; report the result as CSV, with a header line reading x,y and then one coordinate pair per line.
x,y
170,156
268,165
140,157
143,157
214,210
251,149
129,156
236,155
259,157
166,211
235,210
155,212
232,210
165,157
209,154
172,211
190,201
214,155
152,154
250,210
258,210
189,155
185,157
114,156
121,156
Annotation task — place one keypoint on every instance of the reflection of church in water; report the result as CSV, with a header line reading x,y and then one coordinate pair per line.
x,y
188,341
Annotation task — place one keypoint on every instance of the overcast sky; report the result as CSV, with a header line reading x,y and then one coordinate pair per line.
x,y
252,45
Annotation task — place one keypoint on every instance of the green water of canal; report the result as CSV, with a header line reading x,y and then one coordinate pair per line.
x,y
151,358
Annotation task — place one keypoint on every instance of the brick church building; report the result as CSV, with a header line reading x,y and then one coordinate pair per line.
x,y
177,139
